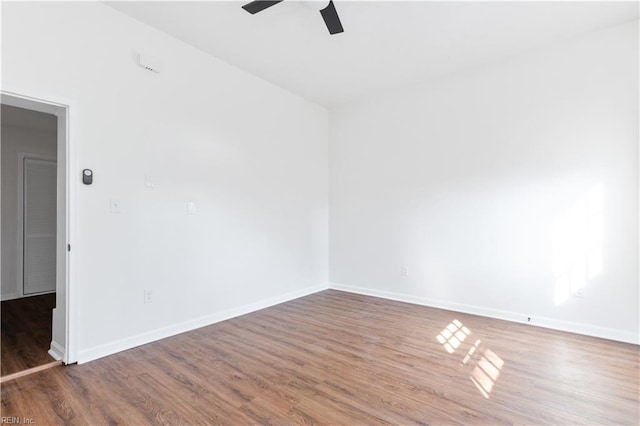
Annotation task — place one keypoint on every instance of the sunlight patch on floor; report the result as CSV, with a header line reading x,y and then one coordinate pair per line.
x,y
486,363
453,335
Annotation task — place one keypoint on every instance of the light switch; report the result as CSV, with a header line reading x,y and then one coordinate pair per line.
x,y
115,206
148,183
191,207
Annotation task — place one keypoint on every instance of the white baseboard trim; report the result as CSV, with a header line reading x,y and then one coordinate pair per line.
x,y
551,323
56,351
110,348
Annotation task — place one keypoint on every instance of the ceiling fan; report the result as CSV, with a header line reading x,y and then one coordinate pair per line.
x,y
329,13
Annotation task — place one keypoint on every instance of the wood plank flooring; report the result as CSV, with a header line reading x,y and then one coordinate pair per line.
x,y
339,358
26,332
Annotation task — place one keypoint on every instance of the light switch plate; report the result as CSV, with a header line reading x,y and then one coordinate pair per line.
x,y
114,206
191,208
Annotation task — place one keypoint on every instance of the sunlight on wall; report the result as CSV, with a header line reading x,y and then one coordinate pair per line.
x,y
577,245
486,364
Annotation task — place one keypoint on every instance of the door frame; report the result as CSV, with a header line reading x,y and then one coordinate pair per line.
x,y
22,156
64,335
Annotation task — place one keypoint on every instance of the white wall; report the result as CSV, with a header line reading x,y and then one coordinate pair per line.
x,y
461,181
252,156
28,132
490,186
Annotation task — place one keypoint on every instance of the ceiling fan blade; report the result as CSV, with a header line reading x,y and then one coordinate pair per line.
x,y
259,5
331,19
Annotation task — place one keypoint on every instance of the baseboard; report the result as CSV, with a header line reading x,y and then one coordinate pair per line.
x,y
110,348
551,323
56,351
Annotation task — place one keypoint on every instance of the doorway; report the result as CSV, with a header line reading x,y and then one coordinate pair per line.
x,y
35,235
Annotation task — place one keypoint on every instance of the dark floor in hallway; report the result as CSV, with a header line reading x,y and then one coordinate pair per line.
x,y
26,332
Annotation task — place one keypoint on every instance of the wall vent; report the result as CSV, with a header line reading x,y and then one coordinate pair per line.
x,y
149,63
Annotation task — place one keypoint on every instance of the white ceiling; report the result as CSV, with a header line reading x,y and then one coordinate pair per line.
x,y
385,45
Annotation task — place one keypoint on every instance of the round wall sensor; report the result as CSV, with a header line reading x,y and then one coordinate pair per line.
x,y
87,176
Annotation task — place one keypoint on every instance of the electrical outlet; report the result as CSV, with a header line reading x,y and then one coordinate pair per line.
x,y
148,182
404,271
147,295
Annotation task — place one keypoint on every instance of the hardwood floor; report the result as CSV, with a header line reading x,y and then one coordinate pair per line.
x,y
26,332
340,358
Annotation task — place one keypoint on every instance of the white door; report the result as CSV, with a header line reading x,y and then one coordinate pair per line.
x,y
39,223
